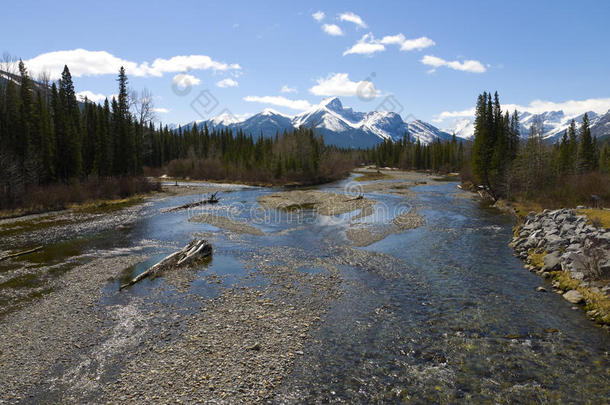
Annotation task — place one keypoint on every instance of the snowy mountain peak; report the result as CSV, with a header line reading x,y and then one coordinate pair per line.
x,y
337,124
333,104
271,111
223,119
554,123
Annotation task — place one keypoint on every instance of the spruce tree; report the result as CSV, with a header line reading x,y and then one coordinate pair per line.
x,y
586,150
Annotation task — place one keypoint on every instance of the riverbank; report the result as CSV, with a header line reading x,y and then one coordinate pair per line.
x,y
573,253
291,310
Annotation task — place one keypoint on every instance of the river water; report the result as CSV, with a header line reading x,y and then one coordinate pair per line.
x,y
455,318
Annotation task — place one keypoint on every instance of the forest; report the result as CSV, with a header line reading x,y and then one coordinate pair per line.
x,y
571,171
58,150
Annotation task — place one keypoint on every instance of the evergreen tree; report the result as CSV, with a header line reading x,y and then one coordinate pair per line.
x,y
586,149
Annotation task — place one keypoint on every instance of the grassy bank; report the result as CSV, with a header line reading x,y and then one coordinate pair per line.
x,y
84,195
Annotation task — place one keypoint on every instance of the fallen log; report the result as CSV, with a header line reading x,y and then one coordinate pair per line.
x,y
212,199
21,253
194,251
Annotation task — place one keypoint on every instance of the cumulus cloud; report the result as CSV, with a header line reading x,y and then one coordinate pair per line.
x,y
227,83
288,89
473,66
339,84
83,62
318,15
571,108
332,29
183,80
454,114
91,96
407,44
353,18
280,101
367,45
160,110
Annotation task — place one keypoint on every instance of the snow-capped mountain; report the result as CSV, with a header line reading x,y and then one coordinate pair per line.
x,y
337,124
463,128
554,123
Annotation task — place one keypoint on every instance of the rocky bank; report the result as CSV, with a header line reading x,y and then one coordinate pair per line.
x,y
566,248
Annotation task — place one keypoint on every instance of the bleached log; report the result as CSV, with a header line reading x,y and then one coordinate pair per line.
x,y
21,253
195,250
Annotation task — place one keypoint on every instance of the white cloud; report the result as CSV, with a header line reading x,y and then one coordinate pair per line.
x,y
393,39
227,83
91,96
571,108
287,89
332,29
83,62
473,66
353,18
454,114
280,101
416,44
160,110
182,80
339,84
318,15
367,45
185,63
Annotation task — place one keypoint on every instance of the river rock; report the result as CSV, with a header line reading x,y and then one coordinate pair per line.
x,y
573,296
552,261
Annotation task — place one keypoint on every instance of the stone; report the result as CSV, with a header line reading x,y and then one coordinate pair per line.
x,y
604,269
552,261
573,297
541,289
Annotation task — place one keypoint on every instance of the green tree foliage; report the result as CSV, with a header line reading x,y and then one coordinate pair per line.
x,y
495,147
587,160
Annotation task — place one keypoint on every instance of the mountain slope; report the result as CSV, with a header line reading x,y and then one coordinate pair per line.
x,y
337,124
554,123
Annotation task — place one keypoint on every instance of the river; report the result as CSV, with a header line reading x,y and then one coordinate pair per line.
x,y
447,314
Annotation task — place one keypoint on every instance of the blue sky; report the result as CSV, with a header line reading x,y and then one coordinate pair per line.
x,y
551,51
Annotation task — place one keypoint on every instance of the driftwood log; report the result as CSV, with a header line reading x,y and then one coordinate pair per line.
x,y
194,251
212,199
21,253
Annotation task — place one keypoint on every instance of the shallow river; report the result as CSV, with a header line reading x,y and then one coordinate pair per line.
x,y
454,316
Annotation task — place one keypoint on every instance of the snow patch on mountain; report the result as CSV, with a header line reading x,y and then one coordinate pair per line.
x,y
337,124
554,123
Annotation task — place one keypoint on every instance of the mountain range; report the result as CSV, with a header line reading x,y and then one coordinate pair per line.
x,y
337,124
554,123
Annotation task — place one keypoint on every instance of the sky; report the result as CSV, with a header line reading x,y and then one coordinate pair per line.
x,y
422,59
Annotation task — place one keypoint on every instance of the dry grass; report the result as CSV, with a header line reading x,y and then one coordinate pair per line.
x,y
537,259
598,217
94,192
105,206
595,301
524,207
370,176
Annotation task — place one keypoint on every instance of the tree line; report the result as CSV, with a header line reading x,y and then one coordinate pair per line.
x,y
567,172
48,136
439,156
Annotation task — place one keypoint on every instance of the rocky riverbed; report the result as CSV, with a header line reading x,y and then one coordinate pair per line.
x,y
290,308
566,248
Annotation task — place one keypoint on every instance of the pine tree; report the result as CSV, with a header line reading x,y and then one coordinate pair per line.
x,y
586,150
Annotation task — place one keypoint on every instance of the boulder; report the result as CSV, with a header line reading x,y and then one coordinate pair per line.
x,y
604,269
552,261
573,297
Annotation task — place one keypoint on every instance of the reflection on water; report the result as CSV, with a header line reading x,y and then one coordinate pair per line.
x,y
459,320
463,323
